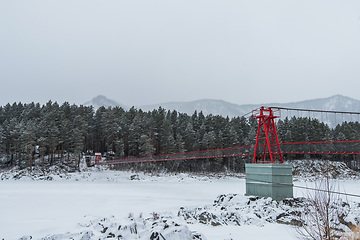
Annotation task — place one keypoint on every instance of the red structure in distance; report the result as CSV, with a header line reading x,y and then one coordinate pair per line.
x,y
267,144
97,158
267,147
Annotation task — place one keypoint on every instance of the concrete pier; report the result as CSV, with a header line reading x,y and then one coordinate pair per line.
x,y
269,180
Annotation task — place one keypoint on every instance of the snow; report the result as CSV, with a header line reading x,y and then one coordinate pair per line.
x,y
270,231
76,204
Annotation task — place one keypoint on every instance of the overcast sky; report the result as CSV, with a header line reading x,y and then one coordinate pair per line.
x,y
140,52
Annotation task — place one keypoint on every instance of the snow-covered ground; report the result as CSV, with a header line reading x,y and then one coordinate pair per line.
x,y
111,202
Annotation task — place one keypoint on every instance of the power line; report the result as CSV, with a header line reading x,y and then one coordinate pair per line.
x,y
328,191
307,188
249,112
240,151
314,110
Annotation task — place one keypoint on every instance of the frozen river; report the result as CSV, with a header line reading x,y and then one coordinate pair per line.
x,y
40,208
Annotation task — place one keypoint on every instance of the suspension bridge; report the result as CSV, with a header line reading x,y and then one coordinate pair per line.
x,y
267,148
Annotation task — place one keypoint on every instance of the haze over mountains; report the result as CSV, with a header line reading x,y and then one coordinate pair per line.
x,y
220,107
223,108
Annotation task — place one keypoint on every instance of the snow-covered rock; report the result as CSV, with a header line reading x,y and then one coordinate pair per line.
x,y
155,227
233,209
314,169
37,173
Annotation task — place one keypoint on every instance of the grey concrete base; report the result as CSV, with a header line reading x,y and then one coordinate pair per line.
x,y
269,180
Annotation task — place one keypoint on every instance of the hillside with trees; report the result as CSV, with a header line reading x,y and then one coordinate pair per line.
x,y
51,133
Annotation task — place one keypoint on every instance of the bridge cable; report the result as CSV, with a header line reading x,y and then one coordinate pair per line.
x,y
307,188
315,110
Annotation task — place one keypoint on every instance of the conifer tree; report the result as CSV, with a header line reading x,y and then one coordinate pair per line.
x,y
146,147
28,141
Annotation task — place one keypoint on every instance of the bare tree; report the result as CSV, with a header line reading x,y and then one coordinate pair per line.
x,y
324,216
353,235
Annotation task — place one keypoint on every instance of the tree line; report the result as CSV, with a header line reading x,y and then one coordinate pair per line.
x,y
51,133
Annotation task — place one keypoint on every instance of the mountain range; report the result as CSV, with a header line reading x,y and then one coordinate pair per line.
x,y
223,108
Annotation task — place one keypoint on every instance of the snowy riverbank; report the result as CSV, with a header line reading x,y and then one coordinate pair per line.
x,y
100,203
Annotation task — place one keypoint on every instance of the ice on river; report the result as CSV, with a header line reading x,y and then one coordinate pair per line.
x,y
78,202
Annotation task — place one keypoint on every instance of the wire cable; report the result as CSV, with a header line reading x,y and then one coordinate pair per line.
x,y
314,110
307,188
249,112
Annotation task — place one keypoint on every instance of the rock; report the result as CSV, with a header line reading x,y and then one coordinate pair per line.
x,y
232,209
26,238
134,177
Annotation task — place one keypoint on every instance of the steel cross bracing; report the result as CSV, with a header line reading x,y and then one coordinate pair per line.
x,y
266,127
267,147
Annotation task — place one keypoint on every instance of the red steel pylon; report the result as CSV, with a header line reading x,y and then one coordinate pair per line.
x,y
267,147
97,158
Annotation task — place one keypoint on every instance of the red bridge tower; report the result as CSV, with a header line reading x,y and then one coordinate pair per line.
x,y
267,147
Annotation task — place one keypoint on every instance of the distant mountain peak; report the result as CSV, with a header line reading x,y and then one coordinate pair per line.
x,y
339,97
219,107
100,98
102,101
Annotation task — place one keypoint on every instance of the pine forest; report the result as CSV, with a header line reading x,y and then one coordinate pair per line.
x,y
44,135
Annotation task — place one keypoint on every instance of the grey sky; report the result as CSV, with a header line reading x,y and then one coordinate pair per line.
x,y
141,52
